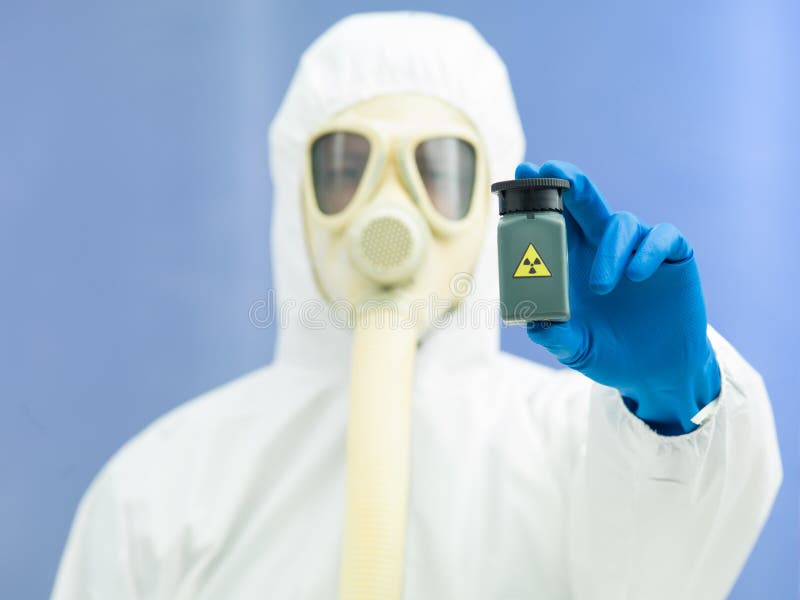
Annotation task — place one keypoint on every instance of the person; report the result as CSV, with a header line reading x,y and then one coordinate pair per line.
x,y
413,459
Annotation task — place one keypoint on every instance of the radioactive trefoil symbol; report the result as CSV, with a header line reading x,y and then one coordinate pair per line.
x,y
532,265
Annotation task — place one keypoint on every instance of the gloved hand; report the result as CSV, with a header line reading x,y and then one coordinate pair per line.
x,y
638,316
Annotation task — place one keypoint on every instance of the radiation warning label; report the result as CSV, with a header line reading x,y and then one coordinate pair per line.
x,y
532,265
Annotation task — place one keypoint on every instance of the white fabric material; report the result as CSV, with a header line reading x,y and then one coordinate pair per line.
x,y
525,482
705,413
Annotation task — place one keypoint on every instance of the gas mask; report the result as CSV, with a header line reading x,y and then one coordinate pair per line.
x,y
395,203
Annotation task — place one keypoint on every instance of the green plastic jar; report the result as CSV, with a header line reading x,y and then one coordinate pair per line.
x,y
532,250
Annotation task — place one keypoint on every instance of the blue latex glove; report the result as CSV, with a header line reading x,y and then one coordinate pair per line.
x,y
638,316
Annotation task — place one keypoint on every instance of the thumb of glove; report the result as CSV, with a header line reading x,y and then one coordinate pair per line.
x,y
565,341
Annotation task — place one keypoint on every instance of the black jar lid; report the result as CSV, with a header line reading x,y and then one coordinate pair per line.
x,y
525,195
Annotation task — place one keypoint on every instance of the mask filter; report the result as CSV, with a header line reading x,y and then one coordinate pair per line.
x,y
387,243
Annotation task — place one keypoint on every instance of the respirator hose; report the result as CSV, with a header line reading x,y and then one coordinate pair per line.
x,y
377,464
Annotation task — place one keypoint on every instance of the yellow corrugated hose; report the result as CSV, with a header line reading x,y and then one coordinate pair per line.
x,y
377,461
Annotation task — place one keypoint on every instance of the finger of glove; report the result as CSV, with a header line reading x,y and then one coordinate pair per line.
x,y
564,340
526,170
582,200
664,243
622,236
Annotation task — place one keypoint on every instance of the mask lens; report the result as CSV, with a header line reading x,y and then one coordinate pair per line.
x,y
338,160
447,168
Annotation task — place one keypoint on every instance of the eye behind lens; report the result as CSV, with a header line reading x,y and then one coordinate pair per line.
x,y
446,166
338,161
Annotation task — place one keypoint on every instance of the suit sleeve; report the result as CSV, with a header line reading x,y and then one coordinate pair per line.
x,y
672,517
95,563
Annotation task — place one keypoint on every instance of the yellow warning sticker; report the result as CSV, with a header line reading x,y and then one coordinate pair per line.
x,y
532,265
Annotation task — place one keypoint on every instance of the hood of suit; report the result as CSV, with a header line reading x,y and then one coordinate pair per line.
x,y
363,57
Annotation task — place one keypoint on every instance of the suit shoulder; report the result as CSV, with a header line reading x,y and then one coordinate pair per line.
x,y
171,448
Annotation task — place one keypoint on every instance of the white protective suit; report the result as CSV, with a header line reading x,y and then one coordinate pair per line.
x,y
525,482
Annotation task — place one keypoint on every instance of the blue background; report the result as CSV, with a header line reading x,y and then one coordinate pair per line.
x,y
135,203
